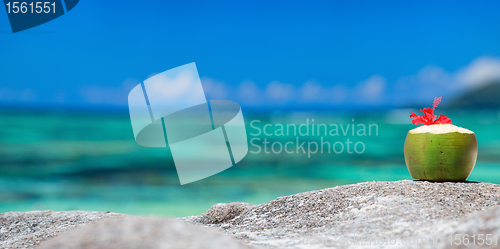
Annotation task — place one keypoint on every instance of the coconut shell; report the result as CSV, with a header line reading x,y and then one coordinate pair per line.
x,y
440,157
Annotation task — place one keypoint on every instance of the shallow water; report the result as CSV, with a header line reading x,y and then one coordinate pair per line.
x,y
90,161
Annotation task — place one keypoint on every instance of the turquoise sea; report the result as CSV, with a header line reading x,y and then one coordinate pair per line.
x,y
76,160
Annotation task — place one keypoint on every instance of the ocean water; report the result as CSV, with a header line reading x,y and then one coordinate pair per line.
x,y
90,161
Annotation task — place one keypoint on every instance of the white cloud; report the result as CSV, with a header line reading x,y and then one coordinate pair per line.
x,y
311,91
429,82
433,75
249,93
339,93
7,94
215,89
433,81
481,71
25,95
280,92
371,91
108,95
182,89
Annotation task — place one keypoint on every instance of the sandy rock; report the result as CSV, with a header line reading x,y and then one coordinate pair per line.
x,y
143,233
28,229
476,230
223,212
401,214
359,215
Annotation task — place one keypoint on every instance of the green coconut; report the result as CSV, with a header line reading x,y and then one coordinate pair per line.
x,y
440,152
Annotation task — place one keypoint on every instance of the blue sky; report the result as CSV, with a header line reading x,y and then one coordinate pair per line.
x,y
280,54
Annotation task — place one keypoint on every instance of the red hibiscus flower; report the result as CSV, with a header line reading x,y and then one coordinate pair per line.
x,y
429,118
